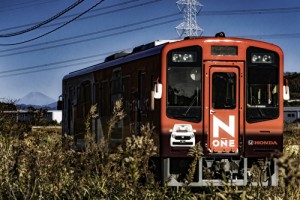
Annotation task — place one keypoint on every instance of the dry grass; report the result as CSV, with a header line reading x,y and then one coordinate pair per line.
x,y
34,165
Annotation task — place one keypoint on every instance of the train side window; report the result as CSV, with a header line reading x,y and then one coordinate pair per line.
x,y
84,99
97,95
69,106
88,98
126,95
142,93
116,82
116,86
116,94
79,104
105,96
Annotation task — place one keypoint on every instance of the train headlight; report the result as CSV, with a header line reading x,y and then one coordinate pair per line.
x,y
183,57
262,58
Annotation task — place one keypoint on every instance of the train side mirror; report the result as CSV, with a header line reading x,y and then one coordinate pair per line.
x,y
157,90
59,105
286,90
156,93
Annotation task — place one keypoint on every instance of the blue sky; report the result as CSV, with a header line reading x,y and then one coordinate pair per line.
x,y
115,25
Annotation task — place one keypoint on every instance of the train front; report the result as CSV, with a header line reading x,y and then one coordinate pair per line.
x,y
226,94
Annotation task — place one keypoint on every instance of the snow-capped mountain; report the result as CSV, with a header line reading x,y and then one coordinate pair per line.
x,y
36,98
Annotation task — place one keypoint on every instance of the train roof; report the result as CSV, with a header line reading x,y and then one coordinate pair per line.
x,y
143,51
138,52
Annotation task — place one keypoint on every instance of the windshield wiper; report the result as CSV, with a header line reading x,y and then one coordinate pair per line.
x,y
190,106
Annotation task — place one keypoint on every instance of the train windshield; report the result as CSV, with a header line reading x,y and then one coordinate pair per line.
x,y
184,85
262,90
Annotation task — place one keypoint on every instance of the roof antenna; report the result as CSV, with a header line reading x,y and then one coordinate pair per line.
x,y
220,34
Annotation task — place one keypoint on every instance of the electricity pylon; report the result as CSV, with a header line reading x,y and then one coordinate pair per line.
x,y
189,26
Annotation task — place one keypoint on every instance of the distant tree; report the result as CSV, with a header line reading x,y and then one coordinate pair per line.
x,y
7,106
291,104
8,122
294,84
38,116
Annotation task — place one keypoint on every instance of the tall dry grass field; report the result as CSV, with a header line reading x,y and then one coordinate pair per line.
x,y
34,165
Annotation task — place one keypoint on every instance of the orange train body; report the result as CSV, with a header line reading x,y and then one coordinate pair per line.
x,y
224,93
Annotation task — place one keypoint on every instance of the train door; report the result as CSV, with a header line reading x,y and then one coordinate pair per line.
x,y
224,108
137,103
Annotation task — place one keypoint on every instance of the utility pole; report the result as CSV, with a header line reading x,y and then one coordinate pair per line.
x,y
189,26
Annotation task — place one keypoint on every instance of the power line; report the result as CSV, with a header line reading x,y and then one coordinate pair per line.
x,y
6,73
43,35
98,56
59,62
266,36
99,37
252,11
49,69
83,18
109,12
203,13
233,12
134,6
109,53
22,5
270,36
44,22
273,36
88,34
95,38
291,35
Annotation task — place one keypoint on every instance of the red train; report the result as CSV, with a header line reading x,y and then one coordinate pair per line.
x,y
226,93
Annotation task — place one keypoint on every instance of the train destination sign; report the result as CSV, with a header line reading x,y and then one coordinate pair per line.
x,y
224,50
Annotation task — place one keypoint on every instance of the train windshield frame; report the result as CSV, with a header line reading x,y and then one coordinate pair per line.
x,y
262,85
184,84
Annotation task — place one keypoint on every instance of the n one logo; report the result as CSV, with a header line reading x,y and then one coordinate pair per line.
x,y
217,124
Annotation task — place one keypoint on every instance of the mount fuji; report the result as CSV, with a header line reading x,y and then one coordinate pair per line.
x,y
36,99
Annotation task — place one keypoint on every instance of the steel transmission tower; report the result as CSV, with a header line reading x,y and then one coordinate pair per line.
x,y
189,26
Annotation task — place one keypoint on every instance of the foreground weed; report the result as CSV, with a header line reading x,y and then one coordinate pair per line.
x,y
35,165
